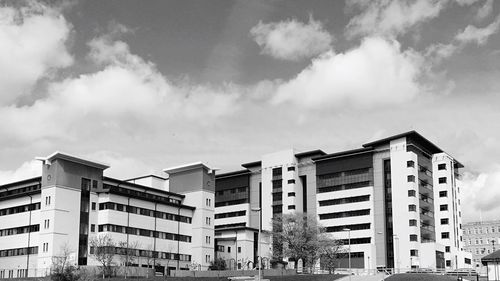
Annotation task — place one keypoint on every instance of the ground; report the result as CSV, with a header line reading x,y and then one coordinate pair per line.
x,y
423,277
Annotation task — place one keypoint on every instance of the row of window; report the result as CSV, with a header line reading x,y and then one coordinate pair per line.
x,y
17,191
481,230
19,230
480,241
240,224
411,164
344,186
230,203
20,209
230,214
220,248
345,200
142,253
141,194
143,232
19,251
351,227
231,191
363,212
142,211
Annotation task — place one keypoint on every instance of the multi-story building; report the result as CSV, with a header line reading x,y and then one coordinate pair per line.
x,y
480,239
395,200
169,221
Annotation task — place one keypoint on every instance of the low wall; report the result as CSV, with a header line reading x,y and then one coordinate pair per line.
x,y
230,273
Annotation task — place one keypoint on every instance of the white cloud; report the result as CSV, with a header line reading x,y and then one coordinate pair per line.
x,y
390,17
485,10
481,195
125,96
375,73
27,170
478,35
33,44
291,39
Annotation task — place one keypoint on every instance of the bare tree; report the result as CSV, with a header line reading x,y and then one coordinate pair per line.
x,y
62,268
330,253
149,258
128,253
103,249
299,236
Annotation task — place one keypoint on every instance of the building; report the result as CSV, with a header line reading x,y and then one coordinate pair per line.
x,y
492,265
481,239
170,221
399,197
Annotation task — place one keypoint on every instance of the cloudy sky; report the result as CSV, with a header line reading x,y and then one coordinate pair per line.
x,y
144,85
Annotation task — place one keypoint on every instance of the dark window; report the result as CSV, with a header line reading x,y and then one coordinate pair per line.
x,y
443,207
414,253
448,262
441,166
442,180
291,194
413,237
412,193
443,193
412,208
93,206
413,223
239,249
291,207
291,181
445,235
229,249
410,164
444,221
92,228
291,168
411,178
447,249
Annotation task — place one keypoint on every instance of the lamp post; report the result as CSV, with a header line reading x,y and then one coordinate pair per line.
x,y
259,259
349,239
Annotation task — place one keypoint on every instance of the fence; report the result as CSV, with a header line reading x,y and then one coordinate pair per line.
x,y
231,273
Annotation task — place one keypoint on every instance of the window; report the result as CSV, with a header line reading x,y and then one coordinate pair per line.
x,y
411,178
445,235
441,166
412,193
443,193
207,220
410,164
442,180
445,221
413,237
414,253
207,239
291,194
92,228
239,249
93,206
291,168
413,223
207,258
208,202
448,262
229,249
46,224
47,200
291,181
443,207
291,207
220,248
447,249
412,208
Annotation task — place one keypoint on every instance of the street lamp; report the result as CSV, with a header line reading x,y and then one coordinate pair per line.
x,y
349,239
259,259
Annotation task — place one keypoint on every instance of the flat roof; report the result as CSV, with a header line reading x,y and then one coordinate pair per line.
x,y
186,167
231,174
75,159
343,153
310,153
495,256
146,188
147,176
252,164
21,182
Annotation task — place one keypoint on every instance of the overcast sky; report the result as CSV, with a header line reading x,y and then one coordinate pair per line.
x,y
145,85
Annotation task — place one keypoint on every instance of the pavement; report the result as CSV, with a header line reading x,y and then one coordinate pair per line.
x,y
377,277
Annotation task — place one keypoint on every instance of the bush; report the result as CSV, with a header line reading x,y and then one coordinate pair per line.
x,y
68,273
